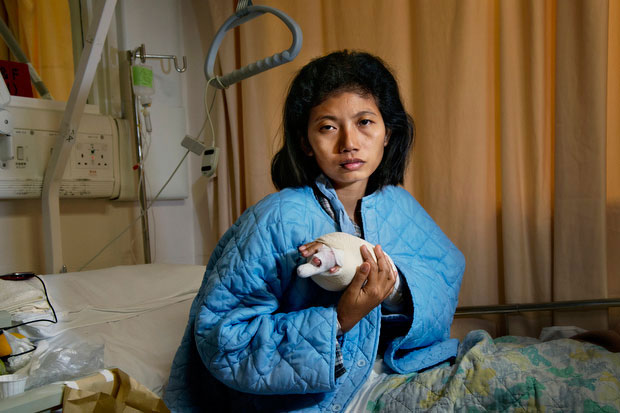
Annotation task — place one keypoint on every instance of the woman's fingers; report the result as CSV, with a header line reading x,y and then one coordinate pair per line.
x,y
380,267
383,262
309,249
373,282
383,279
368,259
390,271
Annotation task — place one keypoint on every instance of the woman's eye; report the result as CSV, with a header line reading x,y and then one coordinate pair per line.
x,y
326,127
365,122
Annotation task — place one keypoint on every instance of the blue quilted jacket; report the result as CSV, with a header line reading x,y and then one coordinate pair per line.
x,y
259,338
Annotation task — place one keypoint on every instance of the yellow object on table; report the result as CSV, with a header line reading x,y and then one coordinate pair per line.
x,y
5,347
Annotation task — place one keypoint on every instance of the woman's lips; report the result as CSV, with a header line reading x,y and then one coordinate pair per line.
x,y
352,164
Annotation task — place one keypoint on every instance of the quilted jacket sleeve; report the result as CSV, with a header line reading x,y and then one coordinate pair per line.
x,y
432,268
242,338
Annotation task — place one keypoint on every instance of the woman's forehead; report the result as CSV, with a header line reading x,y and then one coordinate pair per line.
x,y
346,99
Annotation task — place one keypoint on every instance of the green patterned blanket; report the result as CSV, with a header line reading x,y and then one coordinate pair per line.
x,y
509,374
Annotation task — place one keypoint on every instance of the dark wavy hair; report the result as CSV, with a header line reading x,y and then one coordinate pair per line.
x,y
323,77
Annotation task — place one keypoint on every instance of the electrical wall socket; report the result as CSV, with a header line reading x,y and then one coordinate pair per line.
x,y
93,167
93,154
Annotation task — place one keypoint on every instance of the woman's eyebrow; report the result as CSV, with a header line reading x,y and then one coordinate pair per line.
x,y
325,117
335,118
365,112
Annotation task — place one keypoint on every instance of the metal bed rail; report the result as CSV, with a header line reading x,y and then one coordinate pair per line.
x,y
602,303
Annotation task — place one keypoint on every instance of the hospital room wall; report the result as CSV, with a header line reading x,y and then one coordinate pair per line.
x,y
88,224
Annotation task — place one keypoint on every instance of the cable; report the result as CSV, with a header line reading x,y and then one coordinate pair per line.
x,y
47,298
152,221
54,321
208,112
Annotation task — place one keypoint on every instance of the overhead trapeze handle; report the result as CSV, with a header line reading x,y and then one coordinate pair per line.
x,y
249,13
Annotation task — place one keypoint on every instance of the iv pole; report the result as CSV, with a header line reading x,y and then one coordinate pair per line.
x,y
93,46
140,54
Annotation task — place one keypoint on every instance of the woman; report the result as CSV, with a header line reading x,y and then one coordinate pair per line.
x,y
261,338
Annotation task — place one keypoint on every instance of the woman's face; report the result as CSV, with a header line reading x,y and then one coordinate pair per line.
x,y
347,137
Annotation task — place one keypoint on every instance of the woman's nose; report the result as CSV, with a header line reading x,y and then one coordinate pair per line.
x,y
348,140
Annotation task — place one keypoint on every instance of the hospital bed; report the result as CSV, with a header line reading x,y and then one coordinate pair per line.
x,y
136,315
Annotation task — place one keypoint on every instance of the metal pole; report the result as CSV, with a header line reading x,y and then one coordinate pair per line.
x,y
146,239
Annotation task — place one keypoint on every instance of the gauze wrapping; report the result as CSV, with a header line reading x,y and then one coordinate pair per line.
x,y
346,254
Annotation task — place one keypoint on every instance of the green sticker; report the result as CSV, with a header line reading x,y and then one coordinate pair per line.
x,y
142,76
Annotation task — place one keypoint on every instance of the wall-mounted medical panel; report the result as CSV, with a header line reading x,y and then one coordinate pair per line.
x,y
93,167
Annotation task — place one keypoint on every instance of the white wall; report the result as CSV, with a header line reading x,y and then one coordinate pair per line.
x,y
179,228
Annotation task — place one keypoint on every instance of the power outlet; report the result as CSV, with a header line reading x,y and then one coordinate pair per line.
x,y
88,155
92,168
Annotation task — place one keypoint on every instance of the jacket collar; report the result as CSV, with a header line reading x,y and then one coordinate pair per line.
x,y
342,219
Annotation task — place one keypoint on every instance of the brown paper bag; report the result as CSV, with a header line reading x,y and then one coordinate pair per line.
x,y
110,391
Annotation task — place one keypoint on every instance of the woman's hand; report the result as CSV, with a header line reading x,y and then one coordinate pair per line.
x,y
373,282
310,249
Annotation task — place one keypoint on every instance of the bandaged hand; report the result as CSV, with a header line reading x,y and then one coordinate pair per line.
x,y
322,262
333,259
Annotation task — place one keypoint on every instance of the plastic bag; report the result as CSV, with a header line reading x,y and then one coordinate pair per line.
x,y
64,363
18,345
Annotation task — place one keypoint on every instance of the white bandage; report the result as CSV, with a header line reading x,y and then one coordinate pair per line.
x,y
343,250
328,259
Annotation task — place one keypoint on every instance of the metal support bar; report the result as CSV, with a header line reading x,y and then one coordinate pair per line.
x,y
142,197
548,306
93,46
146,238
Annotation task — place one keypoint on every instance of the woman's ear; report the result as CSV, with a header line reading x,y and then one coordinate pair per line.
x,y
386,140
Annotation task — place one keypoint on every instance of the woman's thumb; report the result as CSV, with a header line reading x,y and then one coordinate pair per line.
x,y
361,275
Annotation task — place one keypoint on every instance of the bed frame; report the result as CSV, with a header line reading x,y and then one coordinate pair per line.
x,y
602,303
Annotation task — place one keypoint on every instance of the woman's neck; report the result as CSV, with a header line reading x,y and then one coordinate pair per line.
x,y
351,200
